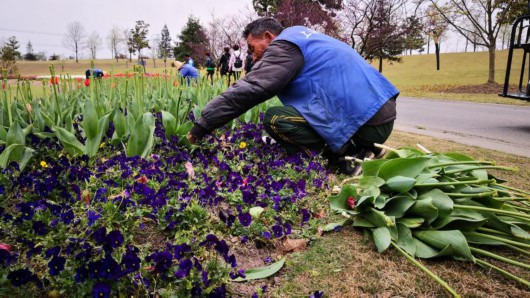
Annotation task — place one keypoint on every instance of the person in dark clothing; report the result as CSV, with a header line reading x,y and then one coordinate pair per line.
x,y
334,101
210,67
95,72
249,61
222,67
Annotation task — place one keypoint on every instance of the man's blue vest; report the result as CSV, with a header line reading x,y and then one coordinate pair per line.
x,y
337,91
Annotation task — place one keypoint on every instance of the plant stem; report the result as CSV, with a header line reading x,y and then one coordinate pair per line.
x,y
513,189
500,258
480,168
455,163
454,183
492,231
500,239
385,147
499,211
472,195
424,269
514,277
523,251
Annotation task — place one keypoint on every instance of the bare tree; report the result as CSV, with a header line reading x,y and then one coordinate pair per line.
x,y
74,37
477,18
127,35
155,49
93,43
114,39
436,28
378,29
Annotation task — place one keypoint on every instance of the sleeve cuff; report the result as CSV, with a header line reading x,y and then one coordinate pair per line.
x,y
198,131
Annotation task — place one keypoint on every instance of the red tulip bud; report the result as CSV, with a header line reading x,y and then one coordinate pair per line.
x,y
351,202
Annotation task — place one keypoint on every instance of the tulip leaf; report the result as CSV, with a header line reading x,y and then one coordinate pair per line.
x,y
70,143
18,153
362,223
411,222
381,238
370,168
400,183
405,240
440,200
142,136
15,135
170,124
398,205
370,181
261,272
407,167
444,240
332,226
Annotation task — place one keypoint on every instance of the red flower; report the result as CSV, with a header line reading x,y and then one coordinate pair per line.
x,y
5,247
245,181
54,82
351,202
87,82
79,80
3,85
142,180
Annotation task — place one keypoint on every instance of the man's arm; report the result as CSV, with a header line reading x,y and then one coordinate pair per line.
x,y
280,64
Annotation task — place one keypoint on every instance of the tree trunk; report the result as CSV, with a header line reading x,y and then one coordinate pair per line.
x,y
437,51
130,56
428,43
491,69
467,42
381,64
76,60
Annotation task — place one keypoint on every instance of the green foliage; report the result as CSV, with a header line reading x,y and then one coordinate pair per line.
x,y
433,205
164,46
192,41
138,39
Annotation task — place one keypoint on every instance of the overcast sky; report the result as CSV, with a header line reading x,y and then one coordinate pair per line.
x,y
44,22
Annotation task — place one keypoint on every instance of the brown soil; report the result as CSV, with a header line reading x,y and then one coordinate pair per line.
x,y
488,88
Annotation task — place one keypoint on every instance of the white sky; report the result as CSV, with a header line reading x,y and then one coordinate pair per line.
x,y
43,22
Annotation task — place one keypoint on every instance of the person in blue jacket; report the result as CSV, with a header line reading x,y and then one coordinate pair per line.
x,y
95,72
334,102
186,71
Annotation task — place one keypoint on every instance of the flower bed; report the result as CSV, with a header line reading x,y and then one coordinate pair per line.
x,y
134,226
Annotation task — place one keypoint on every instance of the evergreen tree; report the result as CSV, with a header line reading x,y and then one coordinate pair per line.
x,y
138,39
9,54
164,46
30,55
193,41
12,44
413,33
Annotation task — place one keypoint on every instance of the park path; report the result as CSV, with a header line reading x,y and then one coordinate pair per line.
x,y
504,128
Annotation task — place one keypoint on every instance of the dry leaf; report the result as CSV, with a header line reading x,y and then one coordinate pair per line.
x,y
294,245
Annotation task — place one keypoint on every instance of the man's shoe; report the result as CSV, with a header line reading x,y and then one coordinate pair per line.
x,y
375,153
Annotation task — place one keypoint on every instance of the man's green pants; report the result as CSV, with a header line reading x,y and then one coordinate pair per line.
x,y
285,125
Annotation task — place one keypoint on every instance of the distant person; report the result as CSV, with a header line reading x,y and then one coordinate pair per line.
x,y
249,61
95,72
187,71
222,67
210,67
236,64
188,60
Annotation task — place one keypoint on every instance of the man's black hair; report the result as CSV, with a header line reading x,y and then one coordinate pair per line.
x,y
259,26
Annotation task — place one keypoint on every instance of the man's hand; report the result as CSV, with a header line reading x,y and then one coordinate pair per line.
x,y
191,139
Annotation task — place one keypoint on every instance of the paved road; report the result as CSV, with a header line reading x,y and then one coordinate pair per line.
x,y
504,128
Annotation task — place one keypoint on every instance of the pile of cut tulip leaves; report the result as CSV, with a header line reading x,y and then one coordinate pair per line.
x,y
429,205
